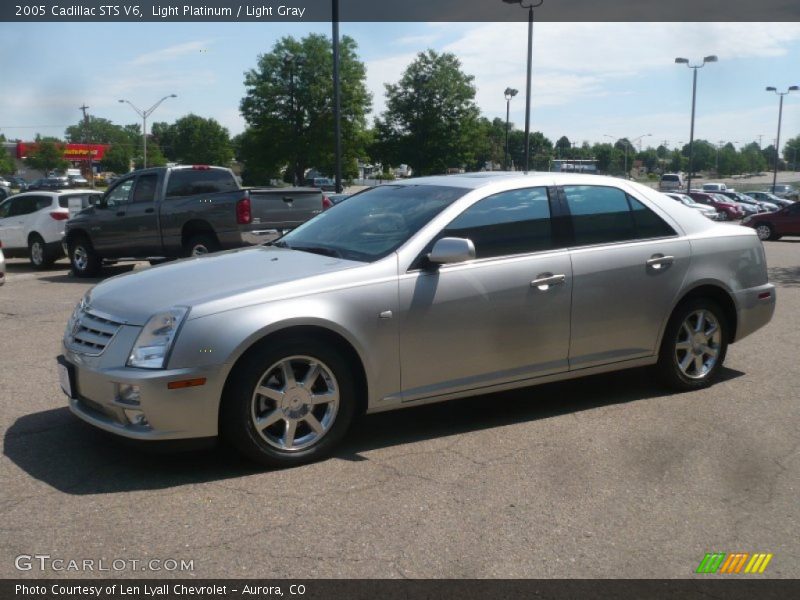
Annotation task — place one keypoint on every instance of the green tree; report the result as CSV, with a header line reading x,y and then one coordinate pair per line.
x,y
95,130
117,158
431,121
288,107
541,150
192,140
7,164
563,147
791,152
154,157
47,155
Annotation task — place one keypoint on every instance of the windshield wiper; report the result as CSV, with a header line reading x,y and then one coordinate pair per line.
x,y
323,250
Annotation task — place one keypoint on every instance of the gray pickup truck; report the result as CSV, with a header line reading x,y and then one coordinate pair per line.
x,y
169,212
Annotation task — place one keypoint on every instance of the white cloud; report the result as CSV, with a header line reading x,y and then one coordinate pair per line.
x,y
170,53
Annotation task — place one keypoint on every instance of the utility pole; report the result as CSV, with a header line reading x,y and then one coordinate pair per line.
x,y
83,109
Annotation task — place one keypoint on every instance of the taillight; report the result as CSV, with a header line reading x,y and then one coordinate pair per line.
x,y
201,167
243,214
326,202
59,216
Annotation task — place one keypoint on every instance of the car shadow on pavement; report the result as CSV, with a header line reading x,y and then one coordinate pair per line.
x,y
785,276
56,448
69,277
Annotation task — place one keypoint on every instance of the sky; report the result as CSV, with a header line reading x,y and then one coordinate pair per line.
x,y
590,80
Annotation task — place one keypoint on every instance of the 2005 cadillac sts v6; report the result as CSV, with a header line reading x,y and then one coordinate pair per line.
x,y
409,293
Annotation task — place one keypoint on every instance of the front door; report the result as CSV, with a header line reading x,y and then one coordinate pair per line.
x,y
500,318
109,232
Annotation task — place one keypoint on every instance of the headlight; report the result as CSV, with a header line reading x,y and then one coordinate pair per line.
x,y
155,340
76,315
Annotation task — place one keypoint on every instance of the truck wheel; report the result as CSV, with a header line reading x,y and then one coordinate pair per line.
x,y
40,256
83,258
288,404
200,245
694,345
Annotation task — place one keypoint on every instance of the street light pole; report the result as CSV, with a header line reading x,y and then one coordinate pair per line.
x,y
337,101
685,61
144,114
509,94
792,88
533,4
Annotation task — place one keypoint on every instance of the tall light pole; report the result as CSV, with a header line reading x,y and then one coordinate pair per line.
x,y
792,88
530,6
144,114
685,61
509,94
337,102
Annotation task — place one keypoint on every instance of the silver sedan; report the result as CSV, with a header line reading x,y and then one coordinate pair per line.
x,y
411,293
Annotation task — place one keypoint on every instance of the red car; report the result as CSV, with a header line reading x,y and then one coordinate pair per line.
x,y
774,225
728,210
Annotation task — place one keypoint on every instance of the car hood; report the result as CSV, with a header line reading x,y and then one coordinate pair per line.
x,y
192,282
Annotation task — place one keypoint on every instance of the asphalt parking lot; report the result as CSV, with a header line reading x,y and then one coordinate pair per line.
x,y
607,476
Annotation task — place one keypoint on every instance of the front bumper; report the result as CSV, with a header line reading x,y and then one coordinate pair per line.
x,y
754,307
170,414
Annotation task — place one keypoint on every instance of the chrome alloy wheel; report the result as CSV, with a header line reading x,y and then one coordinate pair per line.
x,y
199,250
80,258
698,344
295,403
764,232
37,253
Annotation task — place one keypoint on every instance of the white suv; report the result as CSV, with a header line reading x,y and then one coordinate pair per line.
x,y
32,223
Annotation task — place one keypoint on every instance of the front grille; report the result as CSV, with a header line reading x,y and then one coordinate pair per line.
x,y
92,333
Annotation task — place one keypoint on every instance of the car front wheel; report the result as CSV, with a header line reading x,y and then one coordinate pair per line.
x,y
289,403
694,345
765,231
83,258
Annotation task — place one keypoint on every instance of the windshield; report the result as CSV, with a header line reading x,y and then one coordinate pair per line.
x,y
669,178
372,224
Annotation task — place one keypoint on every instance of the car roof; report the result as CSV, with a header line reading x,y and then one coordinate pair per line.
x,y
485,178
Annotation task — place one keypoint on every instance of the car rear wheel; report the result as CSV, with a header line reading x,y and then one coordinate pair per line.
x,y
694,345
40,256
289,403
200,245
83,258
765,231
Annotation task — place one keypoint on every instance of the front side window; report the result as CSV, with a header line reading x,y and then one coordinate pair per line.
x,y
373,223
602,215
120,194
514,222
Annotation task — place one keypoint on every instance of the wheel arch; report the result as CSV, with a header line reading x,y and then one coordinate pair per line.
x,y
317,331
195,227
715,291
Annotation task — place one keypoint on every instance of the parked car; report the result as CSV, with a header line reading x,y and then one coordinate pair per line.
x,y
4,182
77,181
714,187
410,293
740,198
323,183
771,198
19,183
784,190
5,192
170,212
2,265
728,209
773,226
706,211
671,182
32,224
337,198
48,183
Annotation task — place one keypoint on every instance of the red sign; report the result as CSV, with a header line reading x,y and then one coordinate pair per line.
x,y
71,151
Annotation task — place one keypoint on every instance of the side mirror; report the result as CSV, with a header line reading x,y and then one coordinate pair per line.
x,y
451,250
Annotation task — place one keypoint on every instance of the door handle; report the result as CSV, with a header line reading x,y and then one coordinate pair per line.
x,y
545,280
658,262
149,210
121,213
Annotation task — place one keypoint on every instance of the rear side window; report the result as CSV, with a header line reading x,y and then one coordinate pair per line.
x,y
602,215
86,199
190,182
514,222
43,202
145,190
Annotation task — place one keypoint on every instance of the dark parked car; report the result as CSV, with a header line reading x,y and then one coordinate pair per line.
x,y
771,198
759,205
773,226
19,183
48,183
728,209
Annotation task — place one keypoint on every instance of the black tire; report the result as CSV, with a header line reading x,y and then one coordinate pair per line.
x,y
765,231
38,253
83,258
725,216
670,356
239,403
200,245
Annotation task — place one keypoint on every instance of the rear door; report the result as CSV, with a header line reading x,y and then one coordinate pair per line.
x,y
789,222
108,228
284,208
10,223
628,265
